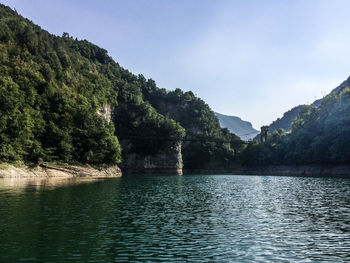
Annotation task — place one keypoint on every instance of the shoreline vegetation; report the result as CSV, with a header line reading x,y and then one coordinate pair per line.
x,y
65,101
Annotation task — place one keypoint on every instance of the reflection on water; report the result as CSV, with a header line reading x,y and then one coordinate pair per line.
x,y
40,183
177,218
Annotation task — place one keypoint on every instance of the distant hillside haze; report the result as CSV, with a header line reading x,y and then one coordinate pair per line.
x,y
243,129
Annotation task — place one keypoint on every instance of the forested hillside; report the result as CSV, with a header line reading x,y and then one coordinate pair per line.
x,y
319,135
206,145
52,88
285,122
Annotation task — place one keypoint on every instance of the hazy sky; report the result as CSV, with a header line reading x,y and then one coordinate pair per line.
x,y
250,58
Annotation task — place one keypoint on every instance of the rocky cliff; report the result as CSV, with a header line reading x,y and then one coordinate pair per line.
x,y
146,148
45,171
205,144
105,112
167,161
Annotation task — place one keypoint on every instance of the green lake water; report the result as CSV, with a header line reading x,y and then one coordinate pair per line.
x,y
176,219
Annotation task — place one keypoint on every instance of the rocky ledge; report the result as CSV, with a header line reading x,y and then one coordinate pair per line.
x,y
44,170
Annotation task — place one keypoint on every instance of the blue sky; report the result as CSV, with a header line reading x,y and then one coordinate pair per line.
x,y
250,58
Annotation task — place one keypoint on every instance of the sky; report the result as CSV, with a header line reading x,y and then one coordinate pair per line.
x,y
249,58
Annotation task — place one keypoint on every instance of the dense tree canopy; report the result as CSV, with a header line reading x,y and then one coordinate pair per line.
x,y
207,145
319,135
52,87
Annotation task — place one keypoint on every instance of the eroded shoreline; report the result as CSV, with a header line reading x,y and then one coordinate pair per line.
x,y
49,171
59,171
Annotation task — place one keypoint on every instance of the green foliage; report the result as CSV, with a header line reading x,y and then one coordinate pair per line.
x,y
52,87
206,144
16,125
50,91
319,135
144,131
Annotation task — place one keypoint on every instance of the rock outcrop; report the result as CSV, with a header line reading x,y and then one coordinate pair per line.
x,y
168,161
106,112
44,170
145,149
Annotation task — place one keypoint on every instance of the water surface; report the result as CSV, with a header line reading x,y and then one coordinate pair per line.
x,y
176,219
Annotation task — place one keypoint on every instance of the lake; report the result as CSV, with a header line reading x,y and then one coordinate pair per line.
x,y
197,218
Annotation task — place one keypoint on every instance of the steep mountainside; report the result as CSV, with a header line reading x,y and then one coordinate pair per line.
x,y
319,135
286,121
65,100
243,129
52,89
346,83
207,145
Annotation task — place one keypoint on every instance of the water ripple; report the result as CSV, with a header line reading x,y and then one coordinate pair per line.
x,y
178,219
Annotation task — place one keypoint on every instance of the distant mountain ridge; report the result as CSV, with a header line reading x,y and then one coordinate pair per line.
x,y
320,135
285,122
336,90
243,129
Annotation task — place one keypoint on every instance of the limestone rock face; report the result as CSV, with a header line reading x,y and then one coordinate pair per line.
x,y
138,154
168,161
44,170
106,112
